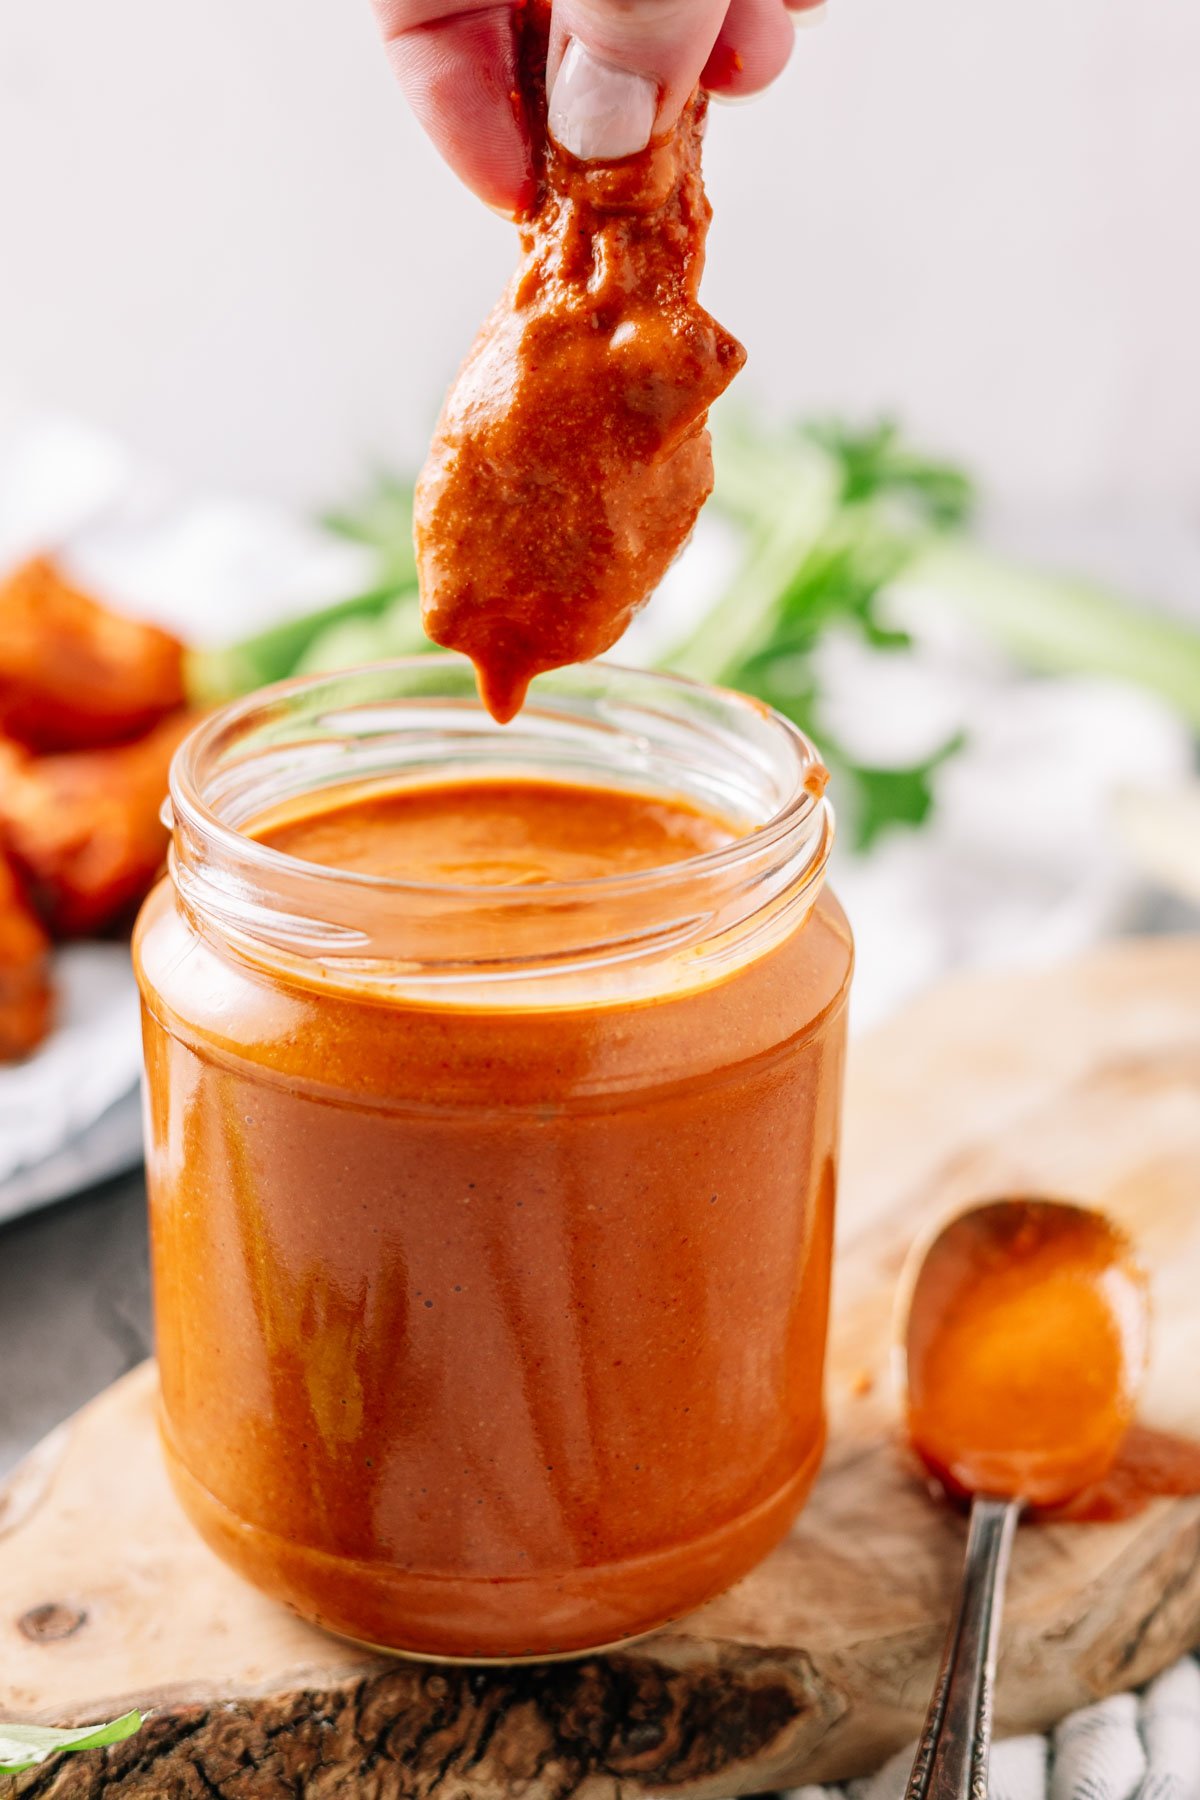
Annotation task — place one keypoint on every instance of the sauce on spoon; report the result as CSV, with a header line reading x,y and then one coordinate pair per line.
x,y
1026,1338
1026,1343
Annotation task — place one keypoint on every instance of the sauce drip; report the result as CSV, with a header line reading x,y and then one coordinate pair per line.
x,y
1026,1345
572,454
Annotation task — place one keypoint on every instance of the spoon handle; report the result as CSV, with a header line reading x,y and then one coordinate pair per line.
x,y
952,1756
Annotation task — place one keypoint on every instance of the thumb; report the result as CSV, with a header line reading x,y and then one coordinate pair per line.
x,y
620,71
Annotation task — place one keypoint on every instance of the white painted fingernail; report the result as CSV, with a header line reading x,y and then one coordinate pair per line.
x,y
597,112
806,16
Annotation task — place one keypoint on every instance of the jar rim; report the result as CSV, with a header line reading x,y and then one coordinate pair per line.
x,y
188,807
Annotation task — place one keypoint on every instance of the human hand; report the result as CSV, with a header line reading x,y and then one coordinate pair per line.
x,y
619,72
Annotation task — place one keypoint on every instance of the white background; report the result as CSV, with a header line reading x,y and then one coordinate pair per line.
x,y
222,237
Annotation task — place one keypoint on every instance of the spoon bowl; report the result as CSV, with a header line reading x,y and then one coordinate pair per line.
x,y
1024,1347
1024,1343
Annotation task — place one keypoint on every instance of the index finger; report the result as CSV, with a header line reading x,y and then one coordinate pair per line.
x,y
457,63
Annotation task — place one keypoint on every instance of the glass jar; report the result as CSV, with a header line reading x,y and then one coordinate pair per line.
x,y
491,1226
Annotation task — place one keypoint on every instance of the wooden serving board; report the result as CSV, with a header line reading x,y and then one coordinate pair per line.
x,y
1082,1082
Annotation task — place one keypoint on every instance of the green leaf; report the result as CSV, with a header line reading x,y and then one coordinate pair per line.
x,y
778,548
348,643
831,517
883,798
383,520
212,676
872,800
24,1746
876,461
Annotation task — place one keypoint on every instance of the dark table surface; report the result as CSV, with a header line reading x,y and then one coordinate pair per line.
x,y
74,1307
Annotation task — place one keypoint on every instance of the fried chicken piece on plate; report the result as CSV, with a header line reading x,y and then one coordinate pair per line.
x,y
572,454
72,672
84,828
25,996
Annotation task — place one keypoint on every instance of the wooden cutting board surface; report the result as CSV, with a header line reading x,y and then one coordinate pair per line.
x,y
1081,1082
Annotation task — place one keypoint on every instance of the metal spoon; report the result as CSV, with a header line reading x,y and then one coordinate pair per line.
x,y
1024,1344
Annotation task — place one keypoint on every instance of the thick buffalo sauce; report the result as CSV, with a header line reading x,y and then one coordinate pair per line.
x,y
498,832
488,1330
1149,1465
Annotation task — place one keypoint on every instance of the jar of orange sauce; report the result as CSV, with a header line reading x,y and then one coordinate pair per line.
x,y
493,1080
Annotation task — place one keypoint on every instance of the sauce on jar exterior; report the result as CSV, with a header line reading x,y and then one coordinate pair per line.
x,y
483,1331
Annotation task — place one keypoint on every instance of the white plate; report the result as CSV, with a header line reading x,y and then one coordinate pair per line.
x,y
70,1114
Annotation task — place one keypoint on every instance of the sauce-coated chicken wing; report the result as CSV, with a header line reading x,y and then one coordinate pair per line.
x,y
572,454
74,674
25,1000
83,828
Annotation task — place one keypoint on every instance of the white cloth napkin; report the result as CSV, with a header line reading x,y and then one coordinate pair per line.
x,y
1130,1747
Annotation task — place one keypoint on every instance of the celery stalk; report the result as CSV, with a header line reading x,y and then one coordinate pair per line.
x,y
1058,624
212,676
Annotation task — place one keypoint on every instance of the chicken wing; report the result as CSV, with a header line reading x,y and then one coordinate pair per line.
x,y
74,674
83,828
25,1001
572,454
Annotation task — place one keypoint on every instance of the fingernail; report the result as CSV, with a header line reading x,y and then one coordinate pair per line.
x,y
805,17
597,112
